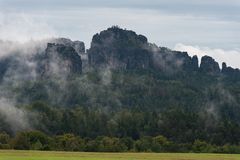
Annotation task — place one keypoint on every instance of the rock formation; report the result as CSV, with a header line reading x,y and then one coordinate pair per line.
x,y
119,49
59,58
209,65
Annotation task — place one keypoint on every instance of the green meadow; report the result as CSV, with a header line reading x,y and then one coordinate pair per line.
x,y
37,155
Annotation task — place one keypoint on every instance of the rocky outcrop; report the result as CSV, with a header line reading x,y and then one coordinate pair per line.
x,y
209,65
119,49
188,63
77,45
59,58
229,71
124,49
194,63
166,60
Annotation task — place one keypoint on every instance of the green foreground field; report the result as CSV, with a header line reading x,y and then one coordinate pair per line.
x,y
36,155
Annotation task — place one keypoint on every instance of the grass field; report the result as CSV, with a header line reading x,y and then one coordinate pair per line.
x,y
32,155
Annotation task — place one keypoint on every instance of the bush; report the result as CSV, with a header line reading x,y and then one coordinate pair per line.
x,y
21,141
144,144
202,147
5,146
160,144
69,142
4,138
107,144
231,149
38,140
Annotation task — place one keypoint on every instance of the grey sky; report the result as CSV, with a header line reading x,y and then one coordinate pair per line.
x,y
215,8
204,23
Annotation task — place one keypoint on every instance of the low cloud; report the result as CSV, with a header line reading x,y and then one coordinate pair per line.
x,y
15,117
8,48
231,57
23,27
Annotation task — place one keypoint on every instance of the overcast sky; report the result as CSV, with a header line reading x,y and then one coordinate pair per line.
x,y
205,25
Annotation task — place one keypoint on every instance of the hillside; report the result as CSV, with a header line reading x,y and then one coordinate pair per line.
x,y
122,86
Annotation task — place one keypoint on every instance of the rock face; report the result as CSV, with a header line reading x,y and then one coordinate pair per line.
x,y
119,49
229,71
194,63
77,45
188,63
209,65
166,60
59,58
124,49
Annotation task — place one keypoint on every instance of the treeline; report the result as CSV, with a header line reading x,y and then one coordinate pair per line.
x,y
36,140
132,130
176,124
